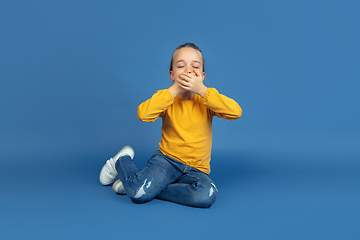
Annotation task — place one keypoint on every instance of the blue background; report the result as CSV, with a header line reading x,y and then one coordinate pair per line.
x,y
72,74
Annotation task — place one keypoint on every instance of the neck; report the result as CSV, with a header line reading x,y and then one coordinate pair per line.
x,y
186,95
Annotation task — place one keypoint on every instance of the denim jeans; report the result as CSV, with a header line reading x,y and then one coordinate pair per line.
x,y
167,179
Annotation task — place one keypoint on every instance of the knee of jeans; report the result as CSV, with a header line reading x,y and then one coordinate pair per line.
x,y
139,201
142,199
206,197
141,194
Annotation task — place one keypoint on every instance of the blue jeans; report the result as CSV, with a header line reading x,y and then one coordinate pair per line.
x,y
167,179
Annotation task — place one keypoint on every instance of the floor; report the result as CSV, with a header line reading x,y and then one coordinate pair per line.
x,y
54,194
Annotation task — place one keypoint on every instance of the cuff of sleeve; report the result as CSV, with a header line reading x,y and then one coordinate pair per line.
x,y
208,94
169,94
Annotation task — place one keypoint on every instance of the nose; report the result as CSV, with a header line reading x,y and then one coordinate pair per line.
x,y
188,70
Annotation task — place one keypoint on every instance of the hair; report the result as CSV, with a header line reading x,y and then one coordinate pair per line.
x,y
189,45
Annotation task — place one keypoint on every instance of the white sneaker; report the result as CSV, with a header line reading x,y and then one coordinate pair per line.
x,y
108,172
127,150
118,187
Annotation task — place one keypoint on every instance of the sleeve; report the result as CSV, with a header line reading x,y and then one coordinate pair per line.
x,y
222,106
152,108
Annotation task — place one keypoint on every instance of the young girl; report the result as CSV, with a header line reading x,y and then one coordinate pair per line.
x,y
178,171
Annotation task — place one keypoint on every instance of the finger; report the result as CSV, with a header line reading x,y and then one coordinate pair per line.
x,y
183,83
197,73
180,81
183,86
184,77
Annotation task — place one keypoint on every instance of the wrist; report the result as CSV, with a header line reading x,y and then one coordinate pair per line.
x,y
203,91
173,91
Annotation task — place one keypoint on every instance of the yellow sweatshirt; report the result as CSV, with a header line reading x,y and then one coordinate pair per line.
x,y
186,126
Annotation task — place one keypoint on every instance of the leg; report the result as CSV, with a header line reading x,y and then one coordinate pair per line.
x,y
193,188
108,173
143,185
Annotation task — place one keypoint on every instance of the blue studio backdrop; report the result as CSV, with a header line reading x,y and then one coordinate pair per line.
x,y
72,74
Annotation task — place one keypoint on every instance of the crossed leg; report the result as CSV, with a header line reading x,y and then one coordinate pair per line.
x,y
166,179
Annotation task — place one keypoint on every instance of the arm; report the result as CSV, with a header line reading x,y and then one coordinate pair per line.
x,y
152,108
222,106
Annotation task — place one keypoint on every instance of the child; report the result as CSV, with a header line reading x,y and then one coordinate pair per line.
x,y
178,171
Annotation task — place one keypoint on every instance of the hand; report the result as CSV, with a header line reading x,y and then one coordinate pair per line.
x,y
175,89
193,82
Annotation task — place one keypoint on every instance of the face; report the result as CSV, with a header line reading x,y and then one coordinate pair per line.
x,y
187,60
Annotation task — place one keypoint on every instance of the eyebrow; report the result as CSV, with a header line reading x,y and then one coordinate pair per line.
x,y
196,61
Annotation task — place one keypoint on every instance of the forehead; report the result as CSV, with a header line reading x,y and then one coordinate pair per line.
x,y
187,54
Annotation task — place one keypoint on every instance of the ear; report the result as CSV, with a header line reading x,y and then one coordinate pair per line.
x,y
203,76
171,75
